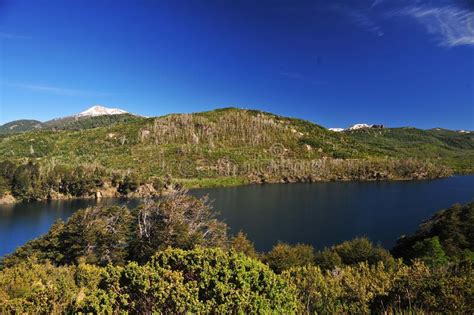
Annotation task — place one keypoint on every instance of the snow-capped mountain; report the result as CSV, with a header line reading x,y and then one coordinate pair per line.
x,y
354,127
98,110
359,126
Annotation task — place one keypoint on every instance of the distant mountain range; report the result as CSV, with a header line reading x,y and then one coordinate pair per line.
x,y
367,126
107,152
88,119
96,116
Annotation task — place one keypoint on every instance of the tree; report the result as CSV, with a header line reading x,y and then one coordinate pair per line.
x,y
353,252
129,184
284,256
7,169
430,251
26,182
241,244
99,235
111,234
4,186
178,220
328,259
96,235
454,229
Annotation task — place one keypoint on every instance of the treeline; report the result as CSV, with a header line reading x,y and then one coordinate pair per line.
x,y
291,170
32,181
41,181
172,255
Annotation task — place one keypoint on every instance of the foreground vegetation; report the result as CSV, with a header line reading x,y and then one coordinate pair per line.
x,y
138,156
172,256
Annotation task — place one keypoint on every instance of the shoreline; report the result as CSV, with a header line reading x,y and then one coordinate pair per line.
x,y
208,183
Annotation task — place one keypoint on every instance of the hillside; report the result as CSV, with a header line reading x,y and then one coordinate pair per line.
x,y
65,123
87,122
450,229
221,147
451,147
21,125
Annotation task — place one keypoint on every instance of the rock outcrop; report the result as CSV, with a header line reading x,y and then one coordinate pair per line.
x,y
7,199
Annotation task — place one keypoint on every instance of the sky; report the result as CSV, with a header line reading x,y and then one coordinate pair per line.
x,y
335,63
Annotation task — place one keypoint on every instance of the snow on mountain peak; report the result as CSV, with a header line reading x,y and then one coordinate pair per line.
x,y
98,110
359,126
356,127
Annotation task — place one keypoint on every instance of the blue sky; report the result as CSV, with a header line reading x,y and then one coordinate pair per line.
x,y
336,63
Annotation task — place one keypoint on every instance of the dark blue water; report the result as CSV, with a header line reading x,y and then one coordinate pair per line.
x,y
319,214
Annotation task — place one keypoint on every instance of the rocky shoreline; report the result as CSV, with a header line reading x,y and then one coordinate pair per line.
x,y
143,191
148,191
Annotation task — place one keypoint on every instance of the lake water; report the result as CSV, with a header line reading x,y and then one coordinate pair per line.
x,y
320,214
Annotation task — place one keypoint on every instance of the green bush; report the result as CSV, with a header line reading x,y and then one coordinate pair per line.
x,y
450,231
241,244
353,252
350,289
363,288
37,288
446,289
197,281
284,256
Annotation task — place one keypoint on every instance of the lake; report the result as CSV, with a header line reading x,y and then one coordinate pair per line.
x,y
320,214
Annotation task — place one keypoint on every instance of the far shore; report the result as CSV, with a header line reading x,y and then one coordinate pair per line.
x,y
205,183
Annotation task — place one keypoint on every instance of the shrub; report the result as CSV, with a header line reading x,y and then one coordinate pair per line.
x,y
37,288
284,256
447,289
197,281
241,244
350,289
128,185
353,252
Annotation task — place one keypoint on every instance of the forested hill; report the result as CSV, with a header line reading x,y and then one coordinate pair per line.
x,y
21,125
454,148
220,147
65,123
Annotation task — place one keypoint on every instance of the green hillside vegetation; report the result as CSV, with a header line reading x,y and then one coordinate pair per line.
x,y
453,148
80,123
66,123
447,235
21,125
221,147
172,256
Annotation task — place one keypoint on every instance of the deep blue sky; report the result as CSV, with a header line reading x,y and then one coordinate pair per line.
x,y
336,63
